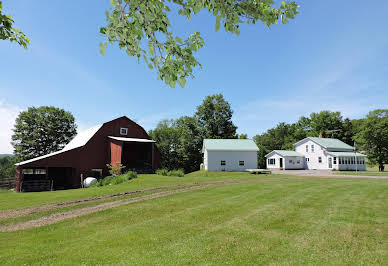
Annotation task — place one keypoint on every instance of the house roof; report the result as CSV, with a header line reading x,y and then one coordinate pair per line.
x,y
328,143
229,145
131,139
346,154
285,153
78,141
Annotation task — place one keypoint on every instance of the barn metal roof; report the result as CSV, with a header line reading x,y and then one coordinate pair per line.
x,y
328,143
78,141
285,153
229,145
131,139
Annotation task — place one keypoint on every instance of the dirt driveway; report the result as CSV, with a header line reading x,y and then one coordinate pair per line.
x,y
323,173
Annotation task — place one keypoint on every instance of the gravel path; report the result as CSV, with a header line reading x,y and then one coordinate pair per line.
x,y
61,216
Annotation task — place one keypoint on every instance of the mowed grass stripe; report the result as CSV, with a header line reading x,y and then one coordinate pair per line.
x,y
280,222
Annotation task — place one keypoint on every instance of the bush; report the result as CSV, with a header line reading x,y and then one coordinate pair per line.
x,y
118,179
179,173
162,172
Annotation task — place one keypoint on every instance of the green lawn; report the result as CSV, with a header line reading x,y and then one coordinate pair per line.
x,y
294,221
12,200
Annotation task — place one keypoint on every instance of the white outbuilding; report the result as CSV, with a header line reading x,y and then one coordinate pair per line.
x,y
229,154
283,159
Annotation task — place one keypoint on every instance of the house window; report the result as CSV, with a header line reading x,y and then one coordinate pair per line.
x,y
319,159
335,160
223,163
290,161
271,161
241,163
307,148
298,162
307,159
312,148
123,131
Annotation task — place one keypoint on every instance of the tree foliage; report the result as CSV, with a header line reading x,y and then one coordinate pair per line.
x,y
42,130
215,118
8,32
7,167
143,29
180,141
373,136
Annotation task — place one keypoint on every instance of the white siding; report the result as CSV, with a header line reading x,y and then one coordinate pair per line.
x,y
291,162
277,161
286,162
313,162
212,160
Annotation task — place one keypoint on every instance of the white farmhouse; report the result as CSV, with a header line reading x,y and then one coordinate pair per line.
x,y
229,154
320,153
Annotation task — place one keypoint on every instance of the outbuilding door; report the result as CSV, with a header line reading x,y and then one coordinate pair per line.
x,y
281,162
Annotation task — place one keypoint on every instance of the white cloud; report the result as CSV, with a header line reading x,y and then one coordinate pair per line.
x,y
8,114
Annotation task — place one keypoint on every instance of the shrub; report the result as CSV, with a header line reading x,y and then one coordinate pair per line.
x,y
179,173
118,179
115,169
162,172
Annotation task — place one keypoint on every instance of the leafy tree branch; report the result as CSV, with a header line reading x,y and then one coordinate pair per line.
x,y
143,29
8,32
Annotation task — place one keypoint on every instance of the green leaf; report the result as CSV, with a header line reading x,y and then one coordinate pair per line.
x,y
218,20
179,40
182,81
102,48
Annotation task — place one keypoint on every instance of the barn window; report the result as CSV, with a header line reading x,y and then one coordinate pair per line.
x,y
223,162
290,161
319,159
123,131
40,171
28,171
241,163
298,162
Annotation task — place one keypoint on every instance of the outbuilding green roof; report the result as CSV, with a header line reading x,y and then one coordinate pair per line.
x,y
329,143
229,145
286,153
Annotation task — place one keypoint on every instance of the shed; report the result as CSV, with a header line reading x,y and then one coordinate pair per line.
x,y
88,153
285,159
229,154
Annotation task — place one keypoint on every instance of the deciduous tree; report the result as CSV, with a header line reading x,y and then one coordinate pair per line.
x,y
373,136
215,118
42,130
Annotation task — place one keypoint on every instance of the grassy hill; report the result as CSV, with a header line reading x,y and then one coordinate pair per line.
x,y
5,155
261,220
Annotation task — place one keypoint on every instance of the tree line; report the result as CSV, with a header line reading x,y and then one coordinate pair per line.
x,y
47,129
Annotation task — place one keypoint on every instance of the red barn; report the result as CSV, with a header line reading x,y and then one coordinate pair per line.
x,y
117,141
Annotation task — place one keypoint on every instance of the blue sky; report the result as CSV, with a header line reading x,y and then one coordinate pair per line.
x,y
332,56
